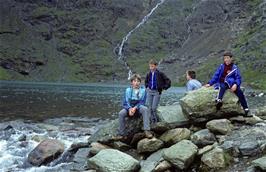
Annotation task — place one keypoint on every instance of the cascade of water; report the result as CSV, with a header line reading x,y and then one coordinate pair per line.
x,y
120,52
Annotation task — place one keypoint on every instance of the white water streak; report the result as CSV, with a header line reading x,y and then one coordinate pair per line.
x,y
120,52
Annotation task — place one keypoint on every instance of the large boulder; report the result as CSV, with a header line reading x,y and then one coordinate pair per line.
x,y
109,160
45,152
222,126
149,145
214,158
199,105
152,161
203,137
173,136
171,114
105,134
181,154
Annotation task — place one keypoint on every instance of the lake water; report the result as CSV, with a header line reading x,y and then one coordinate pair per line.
x,y
69,113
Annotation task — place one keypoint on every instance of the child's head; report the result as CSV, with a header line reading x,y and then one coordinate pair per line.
x,y
153,65
135,80
228,58
191,74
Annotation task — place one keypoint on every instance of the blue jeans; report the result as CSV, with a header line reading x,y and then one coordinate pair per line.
x,y
239,93
143,110
153,97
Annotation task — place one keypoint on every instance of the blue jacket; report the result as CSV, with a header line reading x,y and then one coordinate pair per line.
x,y
131,99
231,78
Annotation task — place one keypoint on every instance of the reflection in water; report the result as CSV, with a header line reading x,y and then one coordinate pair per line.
x,y
38,101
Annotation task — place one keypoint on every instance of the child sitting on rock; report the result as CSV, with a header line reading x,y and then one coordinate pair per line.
x,y
228,77
133,103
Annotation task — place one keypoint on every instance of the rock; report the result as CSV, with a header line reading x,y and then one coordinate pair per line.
x,y
136,138
249,148
6,132
39,138
260,163
173,136
222,126
239,119
203,137
163,166
253,120
160,127
261,112
80,159
97,147
23,137
181,154
199,105
109,160
171,114
206,149
104,135
214,158
120,146
152,161
75,146
45,152
149,145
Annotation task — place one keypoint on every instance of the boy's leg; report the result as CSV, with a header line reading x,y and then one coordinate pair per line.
x,y
223,87
155,104
122,116
146,117
150,98
242,98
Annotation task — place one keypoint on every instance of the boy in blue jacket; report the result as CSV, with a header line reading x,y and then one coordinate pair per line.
x,y
228,77
133,103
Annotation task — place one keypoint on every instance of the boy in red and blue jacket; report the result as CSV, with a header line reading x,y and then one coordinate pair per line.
x,y
228,77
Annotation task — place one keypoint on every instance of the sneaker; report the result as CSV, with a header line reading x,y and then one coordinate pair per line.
x,y
247,114
148,134
219,104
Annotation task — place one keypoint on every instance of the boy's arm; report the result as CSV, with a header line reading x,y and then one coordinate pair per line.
x,y
216,75
142,100
167,81
238,77
147,80
189,86
126,104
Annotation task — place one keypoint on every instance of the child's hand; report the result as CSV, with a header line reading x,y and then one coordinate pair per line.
x,y
207,85
233,88
131,112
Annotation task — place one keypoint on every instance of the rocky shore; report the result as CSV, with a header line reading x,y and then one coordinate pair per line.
x,y
192,136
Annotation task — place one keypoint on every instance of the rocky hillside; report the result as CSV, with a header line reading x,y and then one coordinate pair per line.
x,y
77,41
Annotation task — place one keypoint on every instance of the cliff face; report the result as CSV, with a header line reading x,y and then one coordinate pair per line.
x,y
71,41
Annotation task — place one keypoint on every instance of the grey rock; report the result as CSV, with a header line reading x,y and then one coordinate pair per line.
x,y
149,145
171,114
214,158
199,105
152,161
222,126
45,152
203,137
175,135
181,154
109,160
260,163
249,148
97,147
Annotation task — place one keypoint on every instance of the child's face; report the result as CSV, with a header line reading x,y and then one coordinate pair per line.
x,y
227,60
135,83
187,76
152,67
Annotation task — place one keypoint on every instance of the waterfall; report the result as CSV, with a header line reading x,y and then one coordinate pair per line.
x,y
120,52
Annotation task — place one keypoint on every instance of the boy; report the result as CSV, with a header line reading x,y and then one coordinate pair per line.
x,y
133,103
155,83
228,77
192,83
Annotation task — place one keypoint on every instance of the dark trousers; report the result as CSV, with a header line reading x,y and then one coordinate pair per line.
x,y
239,93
